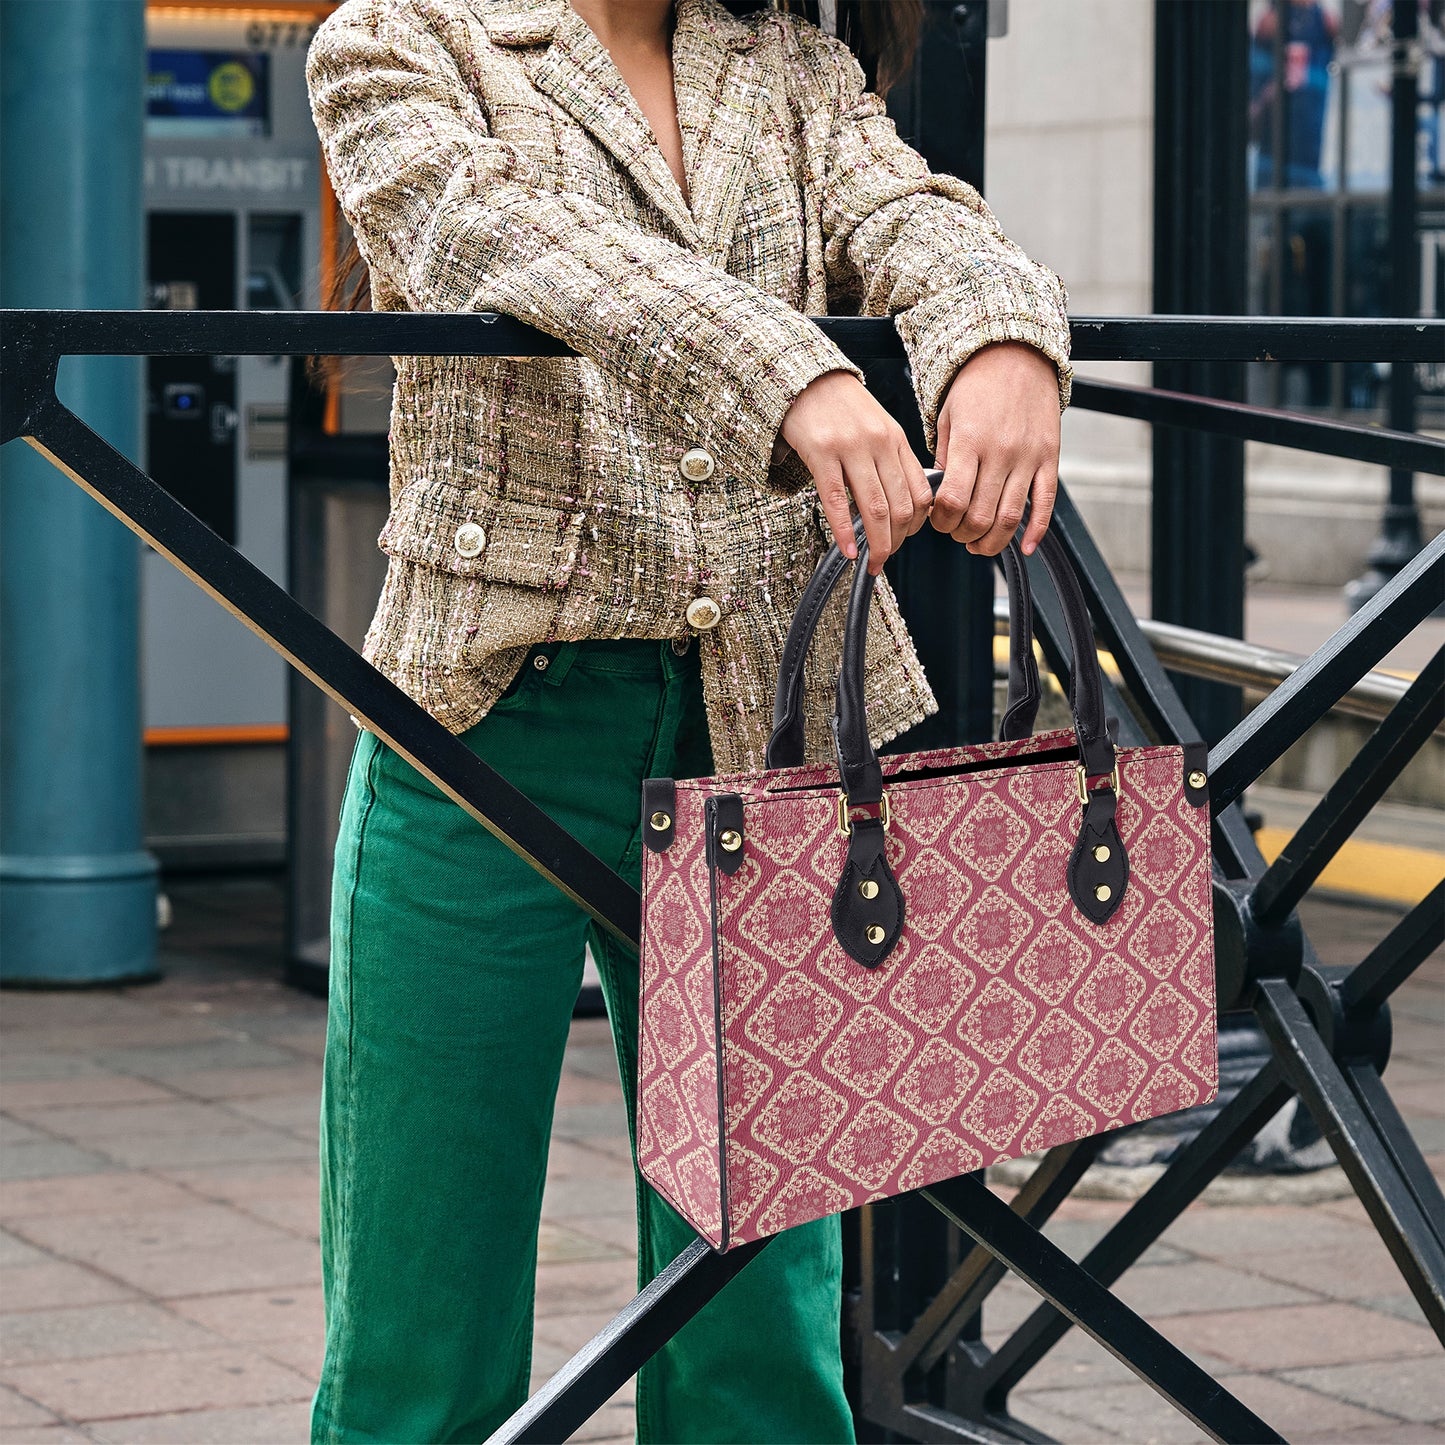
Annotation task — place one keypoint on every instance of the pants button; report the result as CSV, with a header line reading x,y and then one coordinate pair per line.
x,y
680,645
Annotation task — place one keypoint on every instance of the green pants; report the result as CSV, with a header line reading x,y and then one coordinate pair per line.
x,y
454,968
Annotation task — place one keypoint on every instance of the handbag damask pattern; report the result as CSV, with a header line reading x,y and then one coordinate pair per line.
x,y
831,1017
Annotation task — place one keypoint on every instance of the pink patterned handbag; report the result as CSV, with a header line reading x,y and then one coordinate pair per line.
x,y
957,957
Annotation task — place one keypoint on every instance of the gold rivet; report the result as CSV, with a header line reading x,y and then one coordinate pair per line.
x,y
875,933
868,888
731,840
1101,853
661,821
1197,780
1103,893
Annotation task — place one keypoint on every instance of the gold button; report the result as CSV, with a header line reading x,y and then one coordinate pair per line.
x,y
1197,780
703,613
660,821
470,539
868,888
696,465
1103,893
875,933
1101,853
731,840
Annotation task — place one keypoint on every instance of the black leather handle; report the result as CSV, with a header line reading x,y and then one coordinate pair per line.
x,y
858,767
786,745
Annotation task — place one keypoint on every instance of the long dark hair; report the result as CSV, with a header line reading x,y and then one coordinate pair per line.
x,y
883,34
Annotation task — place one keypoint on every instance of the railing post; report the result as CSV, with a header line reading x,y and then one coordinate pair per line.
x,y
1200,229
77,889
1400,535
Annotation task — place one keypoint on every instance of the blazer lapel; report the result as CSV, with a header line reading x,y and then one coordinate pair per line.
x,y
577,72
720,80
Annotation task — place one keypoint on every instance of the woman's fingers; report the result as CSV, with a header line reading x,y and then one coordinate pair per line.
x,y
871,498
955,491
1008,511
920,493
1045,490
833,495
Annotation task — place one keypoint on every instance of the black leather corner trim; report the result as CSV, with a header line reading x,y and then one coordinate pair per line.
x,y
1086,872
1196,760
853,914
724,815
659,795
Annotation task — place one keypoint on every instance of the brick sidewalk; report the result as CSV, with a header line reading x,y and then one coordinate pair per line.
x,y
160,1271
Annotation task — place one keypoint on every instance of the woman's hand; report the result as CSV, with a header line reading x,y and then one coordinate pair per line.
x,y
850,444
998,444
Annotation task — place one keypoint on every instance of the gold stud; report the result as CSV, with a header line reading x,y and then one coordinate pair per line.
x,y
660,821
875,933
1197,780
731,840
1101,853
868,888
1103,893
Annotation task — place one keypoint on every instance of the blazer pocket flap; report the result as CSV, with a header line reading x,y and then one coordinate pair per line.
x,y
528,543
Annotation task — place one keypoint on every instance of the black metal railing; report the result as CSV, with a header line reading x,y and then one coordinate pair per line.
x,y
919,1366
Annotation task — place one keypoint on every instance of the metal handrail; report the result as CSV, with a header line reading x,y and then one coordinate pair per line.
x,y
1248,664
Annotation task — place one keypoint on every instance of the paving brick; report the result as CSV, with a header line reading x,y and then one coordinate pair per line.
x,y
75,1194
45,1435
1342,1272
1302,1415
27,1063
585,1285
24,1096
117,1385
1399,1306
243,1183
257,1316
566,1197
16,1131
57,1283
583,1121
302,1355
1175,1289
1114,1412
254,1083
144,1029
567,1158
296,1216
257,1425
91,1330
567,1333
297,1113
1228,1232
15,1252
95,1124
285,1263
1313,1334
49,1158
1077,1236
220,1053
1410,1389
112,1241
575,1088
617,1230
557,1244
16,1411
239,1143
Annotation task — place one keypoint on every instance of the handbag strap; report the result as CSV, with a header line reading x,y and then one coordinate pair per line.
x,y
786,744
859,771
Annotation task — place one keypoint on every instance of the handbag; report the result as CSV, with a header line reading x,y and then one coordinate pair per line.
x,y
862,979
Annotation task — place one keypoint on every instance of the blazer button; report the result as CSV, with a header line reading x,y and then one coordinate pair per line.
x,y
470,539
696,465
703,613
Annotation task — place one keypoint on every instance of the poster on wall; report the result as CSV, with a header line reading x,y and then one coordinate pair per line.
x,y
208,94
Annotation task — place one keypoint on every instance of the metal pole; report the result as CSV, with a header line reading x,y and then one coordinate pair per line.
x,y
77,889
1400,536
1200,233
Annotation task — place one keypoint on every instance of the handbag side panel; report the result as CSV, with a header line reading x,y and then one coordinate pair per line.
x,y
1003,1023
677,1083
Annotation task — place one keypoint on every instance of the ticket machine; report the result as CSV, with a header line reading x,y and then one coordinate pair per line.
x,y
233,187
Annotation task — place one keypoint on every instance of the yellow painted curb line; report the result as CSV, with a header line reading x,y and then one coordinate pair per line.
x,y
1384,871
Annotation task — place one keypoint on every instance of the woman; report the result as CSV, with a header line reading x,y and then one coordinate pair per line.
x,y
593,561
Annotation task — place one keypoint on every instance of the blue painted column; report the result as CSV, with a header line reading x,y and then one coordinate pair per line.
x,y
77,889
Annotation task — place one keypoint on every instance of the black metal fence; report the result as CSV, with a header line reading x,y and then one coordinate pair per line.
x,y
917,1359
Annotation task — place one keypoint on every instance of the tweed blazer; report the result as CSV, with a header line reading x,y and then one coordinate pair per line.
x,y
489,157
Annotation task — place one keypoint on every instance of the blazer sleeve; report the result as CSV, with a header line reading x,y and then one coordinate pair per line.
x,y
925,248
456,220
